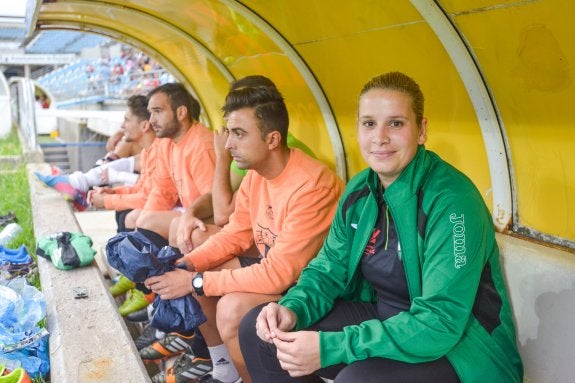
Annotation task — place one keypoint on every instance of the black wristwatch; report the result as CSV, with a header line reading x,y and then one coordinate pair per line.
x,y
198,284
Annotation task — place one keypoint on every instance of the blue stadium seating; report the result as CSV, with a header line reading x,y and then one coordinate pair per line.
x,y
12,33
74,82
64,42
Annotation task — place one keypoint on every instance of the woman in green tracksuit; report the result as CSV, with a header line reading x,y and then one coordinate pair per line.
x,y
408,286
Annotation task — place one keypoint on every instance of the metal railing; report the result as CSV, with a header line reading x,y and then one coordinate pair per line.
x,y
23,106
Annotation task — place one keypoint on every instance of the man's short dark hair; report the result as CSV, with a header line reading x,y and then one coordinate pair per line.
x,y
269,108
251,81
138,105
179,96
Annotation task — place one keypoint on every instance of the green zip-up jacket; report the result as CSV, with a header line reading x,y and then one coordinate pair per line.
x,y
459,303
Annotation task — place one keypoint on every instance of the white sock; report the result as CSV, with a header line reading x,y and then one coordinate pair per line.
x,y
80,181
125,164
159,334
124,178
224,369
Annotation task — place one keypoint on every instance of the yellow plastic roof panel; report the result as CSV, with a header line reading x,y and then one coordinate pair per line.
x,y
200,36
174,49
525,50
246,44
354,41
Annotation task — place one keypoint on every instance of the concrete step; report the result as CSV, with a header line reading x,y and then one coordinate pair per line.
x,y
57,155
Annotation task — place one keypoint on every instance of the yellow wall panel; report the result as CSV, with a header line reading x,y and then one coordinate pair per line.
x,y
527,55
304,21
453,131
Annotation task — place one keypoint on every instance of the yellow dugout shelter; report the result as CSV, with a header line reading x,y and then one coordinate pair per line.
x,y
498,81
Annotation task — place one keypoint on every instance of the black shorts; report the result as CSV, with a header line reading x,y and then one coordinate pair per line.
x,y
248,261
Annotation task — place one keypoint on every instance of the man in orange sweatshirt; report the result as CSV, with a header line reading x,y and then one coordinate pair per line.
x,y
284,206
124,199
186,161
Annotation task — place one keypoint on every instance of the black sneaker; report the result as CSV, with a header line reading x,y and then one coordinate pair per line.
x,y
7,218
147,337
187,368
170,345
139,316
208,378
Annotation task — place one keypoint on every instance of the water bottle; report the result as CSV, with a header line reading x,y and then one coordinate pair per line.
x,y
9,233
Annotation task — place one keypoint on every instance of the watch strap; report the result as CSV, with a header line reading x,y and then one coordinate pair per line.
x,y
199,290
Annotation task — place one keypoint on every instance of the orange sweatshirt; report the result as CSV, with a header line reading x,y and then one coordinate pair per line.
x,y
134,196
185,170
288,217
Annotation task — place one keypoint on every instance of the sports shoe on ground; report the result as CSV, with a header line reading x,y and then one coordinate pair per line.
x,y
62,184
121,286
14,256
18,375
147,337
208,378
172,344
139,316
135,300
13,251
8,218
9,271
185,369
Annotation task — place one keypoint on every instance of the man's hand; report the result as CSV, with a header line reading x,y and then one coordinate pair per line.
x,y
274,318
186,225
96,200
96,196
171,285
298,352
220,139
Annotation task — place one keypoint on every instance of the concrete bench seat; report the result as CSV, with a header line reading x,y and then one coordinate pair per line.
x,y
541,282
89,341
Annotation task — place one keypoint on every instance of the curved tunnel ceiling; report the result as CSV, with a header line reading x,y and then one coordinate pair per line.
x,y
200,64
320,53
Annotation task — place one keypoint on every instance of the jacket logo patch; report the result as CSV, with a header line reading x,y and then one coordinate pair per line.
x,y
264,236
370,248
354,225
459,254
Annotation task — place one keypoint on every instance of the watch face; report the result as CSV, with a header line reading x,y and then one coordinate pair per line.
x,y
198,282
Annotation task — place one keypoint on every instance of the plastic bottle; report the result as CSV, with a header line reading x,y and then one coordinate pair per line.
x,y
9,233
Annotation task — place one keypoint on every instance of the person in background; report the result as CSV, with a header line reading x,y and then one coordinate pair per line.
x,y
185,169
124,199
284,206
408,286
118,147
183,174
120,166
227,179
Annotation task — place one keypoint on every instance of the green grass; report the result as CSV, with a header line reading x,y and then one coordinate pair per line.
x,y
10,145
16,197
